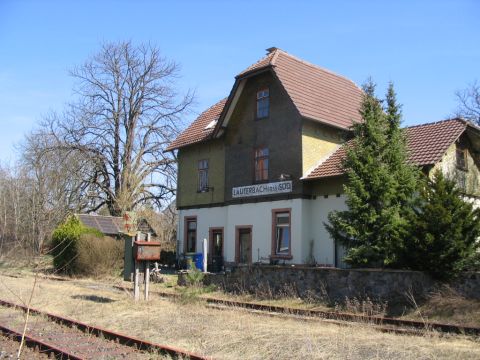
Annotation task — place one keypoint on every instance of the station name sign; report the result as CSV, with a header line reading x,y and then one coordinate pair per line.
x,y
262,189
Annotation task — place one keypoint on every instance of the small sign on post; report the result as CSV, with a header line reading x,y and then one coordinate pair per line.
x,y
130,223
144,252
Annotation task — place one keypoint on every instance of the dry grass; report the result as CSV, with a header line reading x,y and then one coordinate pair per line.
x,y
229,334
447,306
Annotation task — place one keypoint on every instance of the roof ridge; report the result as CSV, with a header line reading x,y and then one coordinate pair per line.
x,y
253,66
97,215
293,57
437,122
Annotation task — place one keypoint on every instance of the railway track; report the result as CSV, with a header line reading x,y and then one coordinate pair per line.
x,y
385,324
66,338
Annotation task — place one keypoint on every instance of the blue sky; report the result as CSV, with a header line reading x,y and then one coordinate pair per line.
x,y
429,49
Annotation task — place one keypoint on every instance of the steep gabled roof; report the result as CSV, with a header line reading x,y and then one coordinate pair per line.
x,y
427,143
200,129
317,94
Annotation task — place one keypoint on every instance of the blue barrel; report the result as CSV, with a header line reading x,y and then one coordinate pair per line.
x,y
198,261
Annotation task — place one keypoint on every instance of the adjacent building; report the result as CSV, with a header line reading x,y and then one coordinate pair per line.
x,y
259,171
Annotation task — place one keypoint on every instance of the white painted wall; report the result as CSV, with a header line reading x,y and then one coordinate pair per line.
x,y
323,248
307,223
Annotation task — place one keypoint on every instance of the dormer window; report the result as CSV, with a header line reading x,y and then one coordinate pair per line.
x,y
263,103
211,124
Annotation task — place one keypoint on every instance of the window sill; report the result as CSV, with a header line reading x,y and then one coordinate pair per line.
x,y
255,182
281,257
203,191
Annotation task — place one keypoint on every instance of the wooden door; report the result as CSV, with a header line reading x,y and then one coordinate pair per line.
x,y
244,245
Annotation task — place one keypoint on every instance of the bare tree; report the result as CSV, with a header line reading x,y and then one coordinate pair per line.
x,y
126,114
469,102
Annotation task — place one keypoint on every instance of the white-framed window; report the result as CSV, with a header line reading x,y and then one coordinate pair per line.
x,y
282,239
190,234
263,103
203,175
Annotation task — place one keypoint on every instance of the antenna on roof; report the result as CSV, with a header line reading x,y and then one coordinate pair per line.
x,y
271,49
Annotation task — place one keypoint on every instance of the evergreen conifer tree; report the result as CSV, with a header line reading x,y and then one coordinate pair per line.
x,y
380,189
445,230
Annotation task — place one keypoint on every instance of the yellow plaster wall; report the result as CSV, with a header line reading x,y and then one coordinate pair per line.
x,y
318,141
187,194
448,167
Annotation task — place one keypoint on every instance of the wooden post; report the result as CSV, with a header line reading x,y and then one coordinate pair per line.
x,y
147,274
136,285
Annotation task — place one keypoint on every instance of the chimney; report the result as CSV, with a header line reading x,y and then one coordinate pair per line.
x,y
271,49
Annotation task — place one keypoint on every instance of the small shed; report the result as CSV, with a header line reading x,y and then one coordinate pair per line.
x,y
113,225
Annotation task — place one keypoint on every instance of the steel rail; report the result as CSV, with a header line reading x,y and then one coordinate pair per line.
x,y
340,316
330,315
109,334
31,341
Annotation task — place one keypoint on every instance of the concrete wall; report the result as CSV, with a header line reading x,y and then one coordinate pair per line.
x,y
188,158
257,215
307,226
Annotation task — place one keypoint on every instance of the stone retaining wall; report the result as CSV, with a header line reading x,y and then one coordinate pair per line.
x,y
334,285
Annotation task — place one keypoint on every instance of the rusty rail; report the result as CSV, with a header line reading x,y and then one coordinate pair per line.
x,y
340,316
34,342
123,339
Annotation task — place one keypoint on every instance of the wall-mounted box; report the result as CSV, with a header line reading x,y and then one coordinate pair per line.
x,y
146,250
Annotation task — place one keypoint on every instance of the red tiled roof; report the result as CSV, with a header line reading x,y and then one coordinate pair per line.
x,y
197,131
427,143
318,94
262,63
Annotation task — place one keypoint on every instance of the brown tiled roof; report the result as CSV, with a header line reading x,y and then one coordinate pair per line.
x,y
427,143
112,225
197,131
260,64
108,225
317,93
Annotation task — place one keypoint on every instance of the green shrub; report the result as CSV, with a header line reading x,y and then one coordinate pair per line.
x,y
98,256
65,240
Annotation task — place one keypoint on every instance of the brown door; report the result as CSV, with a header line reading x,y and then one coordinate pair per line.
x,y
216,242
244,245
216,250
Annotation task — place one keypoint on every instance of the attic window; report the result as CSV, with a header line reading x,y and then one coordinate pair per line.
x,y
461,155
263,103
211,124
